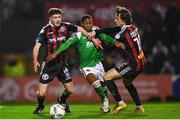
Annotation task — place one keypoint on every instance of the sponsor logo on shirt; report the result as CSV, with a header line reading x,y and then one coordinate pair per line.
x,y
89,44
50,33
58,39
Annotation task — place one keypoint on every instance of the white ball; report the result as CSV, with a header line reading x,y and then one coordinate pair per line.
x,y
57,111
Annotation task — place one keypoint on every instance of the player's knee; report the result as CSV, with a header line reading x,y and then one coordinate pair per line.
x,y
70,90
91,78
37,92
41,94
107,77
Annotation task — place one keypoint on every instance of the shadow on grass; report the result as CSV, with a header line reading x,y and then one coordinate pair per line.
x,y
99,115
44,115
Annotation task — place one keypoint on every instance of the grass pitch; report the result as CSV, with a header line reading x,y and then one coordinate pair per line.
x,y
169,110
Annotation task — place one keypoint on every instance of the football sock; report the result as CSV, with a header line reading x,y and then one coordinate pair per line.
x,y
40,100
139,106
113,90
120,102
133,92
99,89
64,96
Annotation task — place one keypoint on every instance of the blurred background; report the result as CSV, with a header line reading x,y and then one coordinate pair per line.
x,y
158,23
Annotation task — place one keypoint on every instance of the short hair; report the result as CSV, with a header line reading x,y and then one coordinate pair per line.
x,y
85,17
124,14
53,11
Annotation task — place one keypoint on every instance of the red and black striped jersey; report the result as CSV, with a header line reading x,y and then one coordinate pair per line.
x,y
53,37
130,37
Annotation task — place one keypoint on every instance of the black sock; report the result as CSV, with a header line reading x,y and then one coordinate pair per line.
x,y
64,96
113,90
133,92
40,100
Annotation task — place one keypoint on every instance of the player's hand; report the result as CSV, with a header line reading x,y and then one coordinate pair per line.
x,y
97,43
50,57
36,65
91,35
119,45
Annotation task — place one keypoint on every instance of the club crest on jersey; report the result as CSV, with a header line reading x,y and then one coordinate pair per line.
x,y
67,74
45,76
62,29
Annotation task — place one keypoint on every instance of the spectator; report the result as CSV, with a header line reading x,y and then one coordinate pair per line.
x,y
14,67
167,68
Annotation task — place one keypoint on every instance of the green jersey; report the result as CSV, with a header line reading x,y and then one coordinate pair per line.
x,y
89,54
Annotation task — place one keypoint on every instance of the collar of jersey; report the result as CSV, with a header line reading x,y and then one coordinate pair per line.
x,y
51,24
125,26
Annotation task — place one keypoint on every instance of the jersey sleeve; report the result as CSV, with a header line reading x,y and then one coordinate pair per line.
x,y
71,27
108,31
106,38
72,40
40,37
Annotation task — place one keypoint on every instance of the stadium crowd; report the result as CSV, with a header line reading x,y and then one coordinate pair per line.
x,y
160,30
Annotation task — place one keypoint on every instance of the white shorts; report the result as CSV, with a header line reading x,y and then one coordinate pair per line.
x,y
98,70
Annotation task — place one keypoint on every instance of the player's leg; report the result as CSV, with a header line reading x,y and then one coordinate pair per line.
x,y
110,84
101,91
41,93
91,75
65,77
69,89
112,87
110,75
134,94
48,71
93,80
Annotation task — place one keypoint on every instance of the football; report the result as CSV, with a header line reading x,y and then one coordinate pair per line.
x,y
57,111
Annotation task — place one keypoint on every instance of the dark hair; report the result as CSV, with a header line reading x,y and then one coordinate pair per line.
x,y
53,11
85,17
124,14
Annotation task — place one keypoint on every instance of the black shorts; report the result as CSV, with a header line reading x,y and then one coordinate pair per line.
x,y
49,71
127,71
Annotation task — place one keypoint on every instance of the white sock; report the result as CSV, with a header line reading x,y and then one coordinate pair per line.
x,y
120,102
139,106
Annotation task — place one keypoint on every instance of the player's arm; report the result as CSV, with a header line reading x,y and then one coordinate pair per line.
x,y
35,56
108,39
108,31
39,40
63,47
75,28
83,31
66,45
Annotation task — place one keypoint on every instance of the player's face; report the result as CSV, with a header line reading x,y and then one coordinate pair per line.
x,y
87,24
119,21
56,19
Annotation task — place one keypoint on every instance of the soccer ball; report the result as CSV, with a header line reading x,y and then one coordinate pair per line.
x,y
57,111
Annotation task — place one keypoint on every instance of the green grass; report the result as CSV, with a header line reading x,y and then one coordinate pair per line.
x,y
156,110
